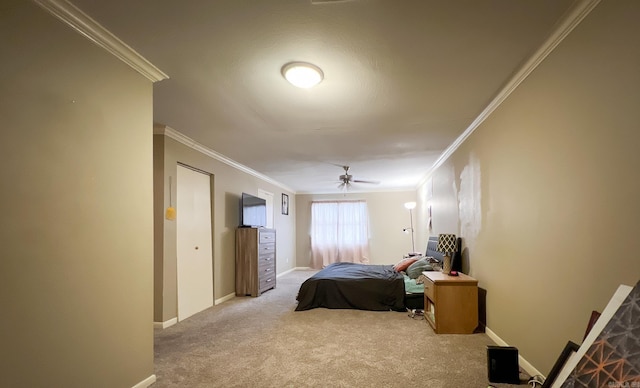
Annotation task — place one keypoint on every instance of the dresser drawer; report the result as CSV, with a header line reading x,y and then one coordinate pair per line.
x,y
267,237
267,256
266,271
266,248
267,282
266,261
429,288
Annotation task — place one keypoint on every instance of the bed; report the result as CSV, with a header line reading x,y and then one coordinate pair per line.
x,y
366,286
353,286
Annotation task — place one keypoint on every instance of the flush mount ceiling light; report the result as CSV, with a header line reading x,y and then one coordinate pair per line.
x,y
302,74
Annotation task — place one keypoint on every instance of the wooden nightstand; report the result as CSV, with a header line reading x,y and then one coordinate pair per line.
x,y
451,303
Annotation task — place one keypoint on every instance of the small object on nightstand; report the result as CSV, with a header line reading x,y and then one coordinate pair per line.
x,y
453,273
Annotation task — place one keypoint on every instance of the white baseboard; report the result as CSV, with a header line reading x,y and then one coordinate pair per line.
x,y
526,365
173,321
285,272
165,324
146,382
225,298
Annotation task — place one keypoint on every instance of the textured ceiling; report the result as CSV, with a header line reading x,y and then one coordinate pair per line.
x,y
403,78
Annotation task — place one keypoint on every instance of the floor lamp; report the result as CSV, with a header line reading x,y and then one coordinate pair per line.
x,y
410,206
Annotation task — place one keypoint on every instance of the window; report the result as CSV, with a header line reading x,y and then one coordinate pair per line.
x,y
339,232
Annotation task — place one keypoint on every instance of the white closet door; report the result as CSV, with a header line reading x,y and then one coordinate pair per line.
x,y
194,248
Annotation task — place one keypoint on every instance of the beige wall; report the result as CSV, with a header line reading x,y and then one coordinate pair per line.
x,y
228,185
546,190
76,268
387,216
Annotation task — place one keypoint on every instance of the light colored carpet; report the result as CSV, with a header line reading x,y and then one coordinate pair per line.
x,y
263,342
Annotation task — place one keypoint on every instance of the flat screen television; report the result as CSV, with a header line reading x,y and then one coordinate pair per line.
x,y
253,211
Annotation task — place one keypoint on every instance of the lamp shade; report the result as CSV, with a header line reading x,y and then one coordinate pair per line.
x,y
446,243
409,205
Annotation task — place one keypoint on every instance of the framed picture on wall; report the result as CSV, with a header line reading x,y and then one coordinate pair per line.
x,y
285,204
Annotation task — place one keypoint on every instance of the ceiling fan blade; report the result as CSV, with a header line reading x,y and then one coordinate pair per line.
x,y
362,181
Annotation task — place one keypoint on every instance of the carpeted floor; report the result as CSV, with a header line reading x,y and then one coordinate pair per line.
x,y
263,342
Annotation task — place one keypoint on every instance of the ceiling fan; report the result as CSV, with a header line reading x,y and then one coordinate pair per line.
x,y
346,180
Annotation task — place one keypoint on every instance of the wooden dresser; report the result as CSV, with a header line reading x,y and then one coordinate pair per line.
x,y
451,302
255,261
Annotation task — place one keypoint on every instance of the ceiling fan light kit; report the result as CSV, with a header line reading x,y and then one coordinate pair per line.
x,y
302,74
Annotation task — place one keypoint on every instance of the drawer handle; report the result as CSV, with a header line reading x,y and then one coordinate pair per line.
x,y
268,280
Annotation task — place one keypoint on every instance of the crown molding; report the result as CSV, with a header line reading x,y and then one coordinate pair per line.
x,y
572,18
159,129
92,30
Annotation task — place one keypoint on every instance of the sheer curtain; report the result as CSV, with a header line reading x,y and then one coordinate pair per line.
x,y
339,232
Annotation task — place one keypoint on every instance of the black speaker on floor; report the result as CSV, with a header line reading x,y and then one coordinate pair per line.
x,y
502,364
